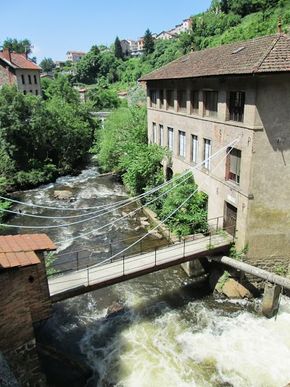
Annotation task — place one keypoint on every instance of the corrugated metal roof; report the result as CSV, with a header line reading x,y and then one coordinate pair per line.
x,y
19,250
260,55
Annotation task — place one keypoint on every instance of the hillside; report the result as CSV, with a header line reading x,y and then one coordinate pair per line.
x,y
224,22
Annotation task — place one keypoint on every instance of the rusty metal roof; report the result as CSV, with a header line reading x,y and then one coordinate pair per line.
x,y
19,250
267,54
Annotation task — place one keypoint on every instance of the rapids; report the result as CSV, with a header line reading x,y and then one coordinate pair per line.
x,y
168,333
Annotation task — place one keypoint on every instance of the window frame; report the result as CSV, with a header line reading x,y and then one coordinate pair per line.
x,y
161,135
234,175
194,149
236,105
170,144
182,100
182,143
23,79
153,98
154,133
208,101
169,105
35,79
194,109
207,152
29,79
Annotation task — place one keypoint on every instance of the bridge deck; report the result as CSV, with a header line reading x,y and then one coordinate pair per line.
x,y
82,281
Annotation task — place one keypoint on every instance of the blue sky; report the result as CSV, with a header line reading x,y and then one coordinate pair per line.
x,y
57,26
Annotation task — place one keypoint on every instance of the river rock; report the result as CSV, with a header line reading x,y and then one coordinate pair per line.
x,y
233,289
143,219
116,307
63,195
145,223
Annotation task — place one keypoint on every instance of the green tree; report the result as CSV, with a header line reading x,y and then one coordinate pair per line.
x,y
148,42
87,69
19,46
192,217
47,64
118,49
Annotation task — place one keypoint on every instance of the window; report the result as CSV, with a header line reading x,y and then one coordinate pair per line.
x,y
153,98
236,106
233,165
210,103
35,79
207,153
154,130
24,92
36,92
194,101
23,79
170,139
161,135
170,99
182,143
161,98
29,79
30,91
194,145
182,100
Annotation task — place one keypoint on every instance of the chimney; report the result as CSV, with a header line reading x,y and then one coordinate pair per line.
x,y
7,54
280,25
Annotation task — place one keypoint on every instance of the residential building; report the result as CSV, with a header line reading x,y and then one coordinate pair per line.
x,y
210,98
165,35
74,56
17,69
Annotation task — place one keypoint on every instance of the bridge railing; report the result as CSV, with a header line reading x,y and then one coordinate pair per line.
x,y
84,259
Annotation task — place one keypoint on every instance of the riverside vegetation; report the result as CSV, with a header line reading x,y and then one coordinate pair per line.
x,y
43,138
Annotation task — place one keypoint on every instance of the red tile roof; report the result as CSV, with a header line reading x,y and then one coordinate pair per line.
x,y
261,55
19,250
20,61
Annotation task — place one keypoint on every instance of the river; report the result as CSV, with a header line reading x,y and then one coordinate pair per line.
x,y
168,333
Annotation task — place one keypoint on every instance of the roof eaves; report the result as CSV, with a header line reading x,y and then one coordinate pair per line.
x,y
9,63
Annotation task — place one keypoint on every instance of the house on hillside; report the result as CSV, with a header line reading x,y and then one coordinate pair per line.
x,y
165,35
17,69
74,56
205,100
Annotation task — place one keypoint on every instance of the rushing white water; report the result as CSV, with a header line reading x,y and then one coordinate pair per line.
x,y
198,346
169,334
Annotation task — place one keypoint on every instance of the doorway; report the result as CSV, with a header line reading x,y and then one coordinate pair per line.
x,y
230,218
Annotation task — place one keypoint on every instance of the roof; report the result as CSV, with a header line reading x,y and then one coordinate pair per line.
x,y
19,61
76,52
260,55
19,250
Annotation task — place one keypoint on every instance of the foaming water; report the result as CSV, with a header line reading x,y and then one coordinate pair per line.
x,y
168,333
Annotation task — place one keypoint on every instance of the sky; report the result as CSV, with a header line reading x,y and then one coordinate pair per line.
x,y
56,26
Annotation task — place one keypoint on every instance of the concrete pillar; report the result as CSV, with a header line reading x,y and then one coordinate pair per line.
x,y
194,269
270,305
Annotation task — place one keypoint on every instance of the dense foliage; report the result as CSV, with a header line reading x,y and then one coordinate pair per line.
x,y
47,64
19,46
40,139
123,147
192,216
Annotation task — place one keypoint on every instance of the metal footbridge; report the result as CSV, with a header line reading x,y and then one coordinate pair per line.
x,y
77,281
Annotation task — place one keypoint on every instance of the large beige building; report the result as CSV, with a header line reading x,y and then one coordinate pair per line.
x,y
17,69
203,101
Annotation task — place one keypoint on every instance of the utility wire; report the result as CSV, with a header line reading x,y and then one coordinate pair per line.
x,y
115,207
156,227
146,204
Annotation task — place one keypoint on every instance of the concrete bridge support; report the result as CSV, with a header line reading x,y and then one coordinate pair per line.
x,y
270,304
194,269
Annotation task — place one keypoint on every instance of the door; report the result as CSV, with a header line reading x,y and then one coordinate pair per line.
x,y
230,218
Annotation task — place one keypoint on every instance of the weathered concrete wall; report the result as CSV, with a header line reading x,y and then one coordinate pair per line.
x,y
262,197
221,133
33,88
269,217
